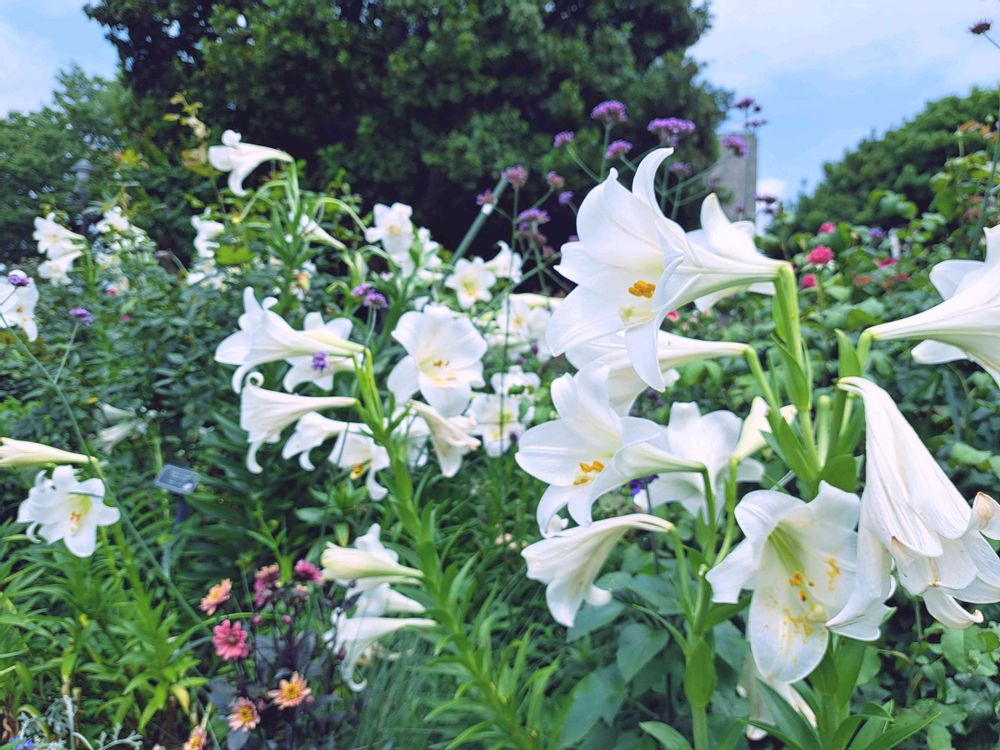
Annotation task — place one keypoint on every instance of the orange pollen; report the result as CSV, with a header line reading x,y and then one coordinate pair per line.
x,y
796,579
440,363
642,289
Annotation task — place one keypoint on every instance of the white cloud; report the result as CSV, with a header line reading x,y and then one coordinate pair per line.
x,y
29,63
773,186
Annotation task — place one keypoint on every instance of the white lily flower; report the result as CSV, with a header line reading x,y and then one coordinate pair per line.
x,y
451,436
356,450
367,565
206,232
799,560
506,264
472,282
113,220
122,424
444,361
618,263
54,240
913,515
25,453
17,303
57,269
265,414
498,420
355,636
568,562
319,368
571,453
730,262
520,324
394,229
311,431
733,240
64,508
265,336
515,378
624,383
748,687
755,426
375,596
240,159
676,454
312,231
967,324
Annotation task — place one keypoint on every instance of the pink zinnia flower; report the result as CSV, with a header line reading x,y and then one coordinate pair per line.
x,y
809,281
673,316
306,571
198,739
230,641
291,693
820,255
243,716
265,583
826,227
217,596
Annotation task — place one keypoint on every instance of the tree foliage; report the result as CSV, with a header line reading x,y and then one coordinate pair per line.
x,y
420,101
902,161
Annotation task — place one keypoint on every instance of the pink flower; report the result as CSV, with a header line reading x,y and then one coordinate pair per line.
x,y
217,595
265,584
291,693
820,255
243,716
673,316
826,227
886,262
230,641
306,571
198,740
809,281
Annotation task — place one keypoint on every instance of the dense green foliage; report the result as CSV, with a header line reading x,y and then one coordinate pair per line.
x,y
903,161
422,102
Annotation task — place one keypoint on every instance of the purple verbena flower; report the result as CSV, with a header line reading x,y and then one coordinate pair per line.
x,y
556,181
486,198
320,362
736,145
376,300
609,112
636,486
82,315
680,168
18,278
876,234
561,139
361,290
533,216
670,129
617,150
565,197
517,176
981,27
746,102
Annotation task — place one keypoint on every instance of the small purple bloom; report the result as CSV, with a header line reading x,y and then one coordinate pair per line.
x,y
670,129
82,315
517,176
533,216
740,207
736,145
486,198
769,199
617,150
376,299
747,102
680,168
638,485
556,181
565,197
18,278
320,362
876,234
561,139
362,290
609,112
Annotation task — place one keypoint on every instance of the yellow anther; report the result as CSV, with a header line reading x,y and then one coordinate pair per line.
x,y
74,521
357,470
796,579
642,289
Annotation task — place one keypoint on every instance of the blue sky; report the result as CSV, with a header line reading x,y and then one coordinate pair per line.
x,y
828,72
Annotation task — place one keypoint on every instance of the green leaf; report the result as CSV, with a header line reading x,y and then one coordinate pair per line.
x,y
668,737
847,356
794,726
590,618
969,456
598,696
228,255
841,472
637,644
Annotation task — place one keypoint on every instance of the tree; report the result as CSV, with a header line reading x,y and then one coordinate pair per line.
x,y
38,149
421,101
902,161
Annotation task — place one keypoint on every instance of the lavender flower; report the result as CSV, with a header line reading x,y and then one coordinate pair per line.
x,y
876,234
533,216
517,176
486,198
563,138
362,290
670,129
617,150
82,315
639,485
609,112
376,300
735,144
680,168
556,181
565,197
747,102
320,363
18,278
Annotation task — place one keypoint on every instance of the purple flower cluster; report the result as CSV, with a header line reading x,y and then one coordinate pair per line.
x,y
563,138
517,176
876,234
670,129
609,112
18,278
617,150
486,198
565,197
370,297
82,315
533,216
747,102
556,181
736,145
320,362
680,168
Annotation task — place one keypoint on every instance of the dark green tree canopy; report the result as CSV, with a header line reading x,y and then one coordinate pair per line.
x,y
420,101
902,161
